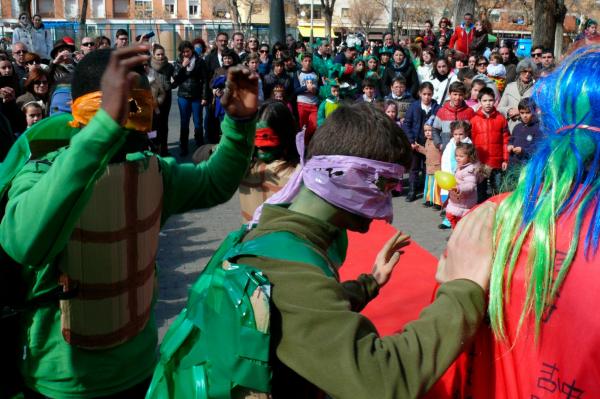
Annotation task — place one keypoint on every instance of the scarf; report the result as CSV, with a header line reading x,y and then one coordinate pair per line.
x,y
523,87
158,65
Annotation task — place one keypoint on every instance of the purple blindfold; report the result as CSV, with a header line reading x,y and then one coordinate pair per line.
x,y
358,185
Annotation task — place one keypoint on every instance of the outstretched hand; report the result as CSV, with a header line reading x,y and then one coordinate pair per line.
x,y
470,248
388,257
240,98
118,79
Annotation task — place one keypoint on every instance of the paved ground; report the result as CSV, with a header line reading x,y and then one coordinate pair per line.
x,y
187,241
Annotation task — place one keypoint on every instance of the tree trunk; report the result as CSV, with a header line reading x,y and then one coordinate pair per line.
x,y
461,7
544,23
277,17
82,32
327,7
25,7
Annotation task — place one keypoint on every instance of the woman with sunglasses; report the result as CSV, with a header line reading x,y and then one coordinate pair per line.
x,y
252,45
36,89
264,66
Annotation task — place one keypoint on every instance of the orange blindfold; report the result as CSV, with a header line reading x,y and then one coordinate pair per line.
x,y
141,109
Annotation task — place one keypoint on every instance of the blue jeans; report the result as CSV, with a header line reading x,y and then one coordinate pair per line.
x,y
190,108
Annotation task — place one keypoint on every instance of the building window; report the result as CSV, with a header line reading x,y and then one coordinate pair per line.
x,y
71,9
345,13
194,8
257,7
170,7
45,8
121,8
305,11
98,9
143,9
219,11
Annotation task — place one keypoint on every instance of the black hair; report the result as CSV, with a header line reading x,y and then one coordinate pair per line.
x,y
426,85
526,103
369,83
399,79
278,62
486,91
457,87
222,34
185,44
88,72
279,118
237,34
121,32
361,130
307,55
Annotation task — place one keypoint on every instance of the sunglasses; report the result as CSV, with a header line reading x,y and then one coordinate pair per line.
x,y
88,44
482,64
252,41
535,55
263,51
32,62
40,82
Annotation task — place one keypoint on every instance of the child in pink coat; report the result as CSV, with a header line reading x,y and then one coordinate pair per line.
x,y
463,197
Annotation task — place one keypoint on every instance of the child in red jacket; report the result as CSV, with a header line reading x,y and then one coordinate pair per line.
x,y
490,137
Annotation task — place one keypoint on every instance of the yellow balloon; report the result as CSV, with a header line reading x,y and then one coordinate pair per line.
x,y
445,180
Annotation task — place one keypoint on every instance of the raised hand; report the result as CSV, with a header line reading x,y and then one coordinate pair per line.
x,y
388,257
240,98
118,79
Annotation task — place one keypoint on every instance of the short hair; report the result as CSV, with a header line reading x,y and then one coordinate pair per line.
x,y
121,32
486,91
497,57
237,34
426,85
478,82
157,47
361,130
388,102
252,57
457,87
547,51
468,14
223,34
526,103
368,83
278,62
399,79
185,44
307,55
465,125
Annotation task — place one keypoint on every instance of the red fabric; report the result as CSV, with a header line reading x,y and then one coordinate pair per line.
x,y
490,138
307,116
453,219
449,113
410,287
266,137
461,40
562,364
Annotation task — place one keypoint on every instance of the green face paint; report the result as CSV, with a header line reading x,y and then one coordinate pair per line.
x,y
267,155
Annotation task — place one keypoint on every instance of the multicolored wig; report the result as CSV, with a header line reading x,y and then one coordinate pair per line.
x,y
562,178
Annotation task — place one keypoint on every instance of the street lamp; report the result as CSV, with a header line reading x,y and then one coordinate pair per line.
x,y
312,3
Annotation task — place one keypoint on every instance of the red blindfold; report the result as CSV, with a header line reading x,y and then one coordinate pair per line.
x,y
266,137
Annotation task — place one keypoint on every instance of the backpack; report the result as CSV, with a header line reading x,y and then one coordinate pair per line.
x,y
219,345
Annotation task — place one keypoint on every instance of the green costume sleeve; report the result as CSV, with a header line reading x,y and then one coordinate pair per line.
x,y
213,182
320,334
44,203
321,113
361,291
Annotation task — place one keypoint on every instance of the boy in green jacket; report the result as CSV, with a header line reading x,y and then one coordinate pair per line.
x,y
83,221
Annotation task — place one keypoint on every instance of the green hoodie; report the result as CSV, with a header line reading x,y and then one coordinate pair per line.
x,y
43,201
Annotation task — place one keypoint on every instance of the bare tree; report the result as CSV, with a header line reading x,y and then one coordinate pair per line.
x,y
547,14
364,14
461,7
82,31
327,10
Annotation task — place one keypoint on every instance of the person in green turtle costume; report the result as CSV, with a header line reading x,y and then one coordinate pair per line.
x,y
85,200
